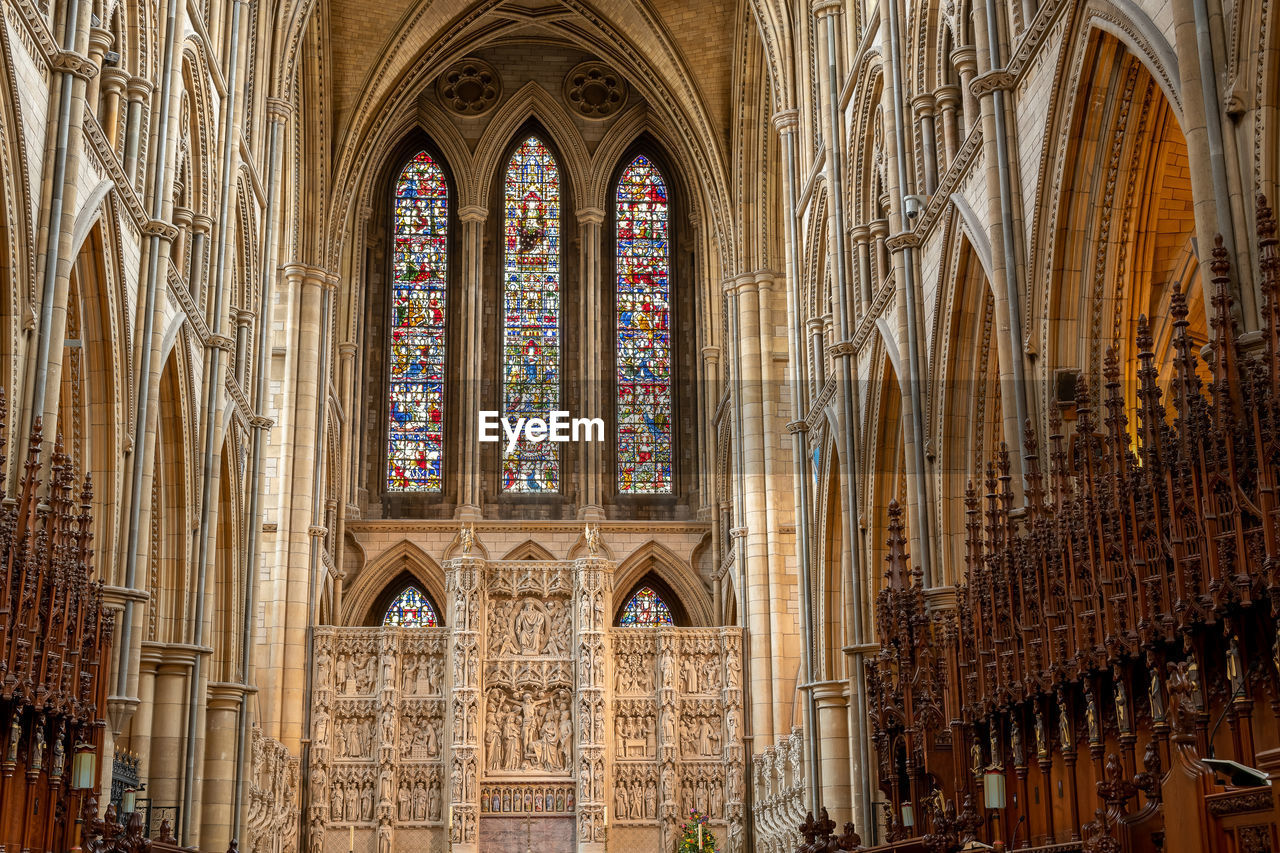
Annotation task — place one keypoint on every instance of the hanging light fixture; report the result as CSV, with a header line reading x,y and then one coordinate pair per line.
x,y
908,816
993,788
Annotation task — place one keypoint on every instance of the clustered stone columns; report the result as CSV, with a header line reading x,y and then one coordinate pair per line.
x,y
471,312
592,308
113,85
592,606
463,576
861,237
219,764
138,92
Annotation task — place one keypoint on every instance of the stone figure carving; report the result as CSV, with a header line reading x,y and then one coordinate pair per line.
x,y
467,538
433,802
419,802
404,804
530,627
591,535
366,804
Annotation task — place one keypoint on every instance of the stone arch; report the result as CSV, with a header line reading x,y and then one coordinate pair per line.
x,y
656,560
531,103
1122,169
392,568
528,550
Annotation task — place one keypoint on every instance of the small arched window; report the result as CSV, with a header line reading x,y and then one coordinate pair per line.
x,y
531,312
415,434
643,263
411,609
645,609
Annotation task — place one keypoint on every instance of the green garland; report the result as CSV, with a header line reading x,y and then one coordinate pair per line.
x,y
689,835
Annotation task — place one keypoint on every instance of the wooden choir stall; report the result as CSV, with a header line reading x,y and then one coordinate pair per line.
x,y
54,635
1113,645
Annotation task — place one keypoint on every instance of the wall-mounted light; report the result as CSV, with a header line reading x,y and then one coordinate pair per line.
x,y
993,788
84,767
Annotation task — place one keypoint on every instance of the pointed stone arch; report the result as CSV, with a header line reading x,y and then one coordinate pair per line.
x,y
531,102
384,577
529,550
657,561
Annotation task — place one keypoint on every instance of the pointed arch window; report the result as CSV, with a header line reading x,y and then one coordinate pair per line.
x,y
531,312
411,609
643,263
645,609
415,434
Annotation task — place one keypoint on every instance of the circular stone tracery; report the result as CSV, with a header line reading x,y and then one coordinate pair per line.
x,y
595,90
470,87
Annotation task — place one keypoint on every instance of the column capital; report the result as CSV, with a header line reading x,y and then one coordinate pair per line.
x,y
860,233
965,58
924,104
711,355
823,8
473,213
138,88
815,323
794,427
590,216
279,110
903,241
879,228
347,349
992,81
201,224
99,39
737,532
947,97
841,349
114,79
244,317
159,228
70,62
830,694
787,121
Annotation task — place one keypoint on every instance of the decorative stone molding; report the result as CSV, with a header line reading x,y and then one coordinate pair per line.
x,y
842,348
473,214
470,87
991,81
595,90
590,216
901,242
794,427
159,228
823,8
70,62
787,121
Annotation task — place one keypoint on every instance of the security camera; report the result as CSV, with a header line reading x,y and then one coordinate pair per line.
x,y
912,205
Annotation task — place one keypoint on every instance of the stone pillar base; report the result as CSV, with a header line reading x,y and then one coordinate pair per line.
x,y
591,846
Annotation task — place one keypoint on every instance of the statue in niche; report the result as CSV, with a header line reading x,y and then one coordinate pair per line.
x,y
689,680
419,802
335,803
404,804
366,804
433,802
342,674
511,740
710,673
387,786
650,799
409,675
502,639
666,666
566,734
352,808
339,742
530,627
620,805
320,728
388,726
388,671
492,739
717,798
324,667
384,838
731,674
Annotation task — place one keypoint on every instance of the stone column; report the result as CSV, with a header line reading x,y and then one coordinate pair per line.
x,y
180,251
219,764
592,609
965,60
817,352
145,703
164,784
469,365
832,699
861,237
924,107
592,309
137,91
464,577
879,236
198,260
113,87
99,43
948,101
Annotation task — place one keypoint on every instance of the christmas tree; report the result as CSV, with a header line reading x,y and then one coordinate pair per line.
x,y
695,835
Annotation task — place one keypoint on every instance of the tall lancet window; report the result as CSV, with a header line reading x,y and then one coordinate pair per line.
x,y
531,312
644,331
415,434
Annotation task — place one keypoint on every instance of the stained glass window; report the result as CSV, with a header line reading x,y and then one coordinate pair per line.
x,y
644,333
645,610
531,312
419,263
411,610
